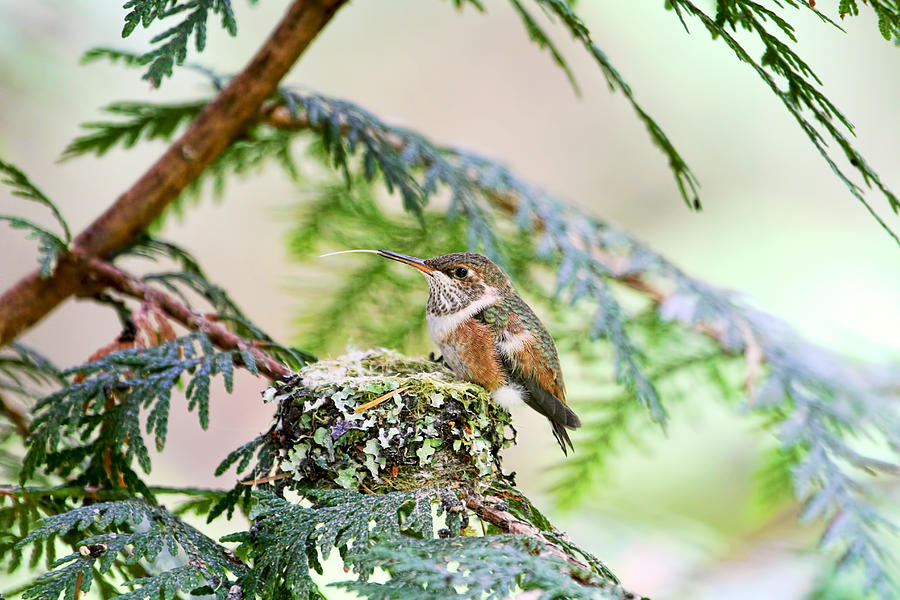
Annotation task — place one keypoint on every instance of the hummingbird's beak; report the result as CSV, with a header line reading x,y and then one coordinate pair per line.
x,y
412,261
416,263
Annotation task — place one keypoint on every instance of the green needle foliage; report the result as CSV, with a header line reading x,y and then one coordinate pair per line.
x,y
23,188
141,121
888,13
289,535
26,374
189,278
483,567
171,45
131,531
794,82
93,427
562,10
52,247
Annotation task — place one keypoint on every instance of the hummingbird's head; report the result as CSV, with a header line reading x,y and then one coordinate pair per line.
x,y
455,281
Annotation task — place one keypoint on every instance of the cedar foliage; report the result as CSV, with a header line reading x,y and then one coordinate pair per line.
x,y
80,490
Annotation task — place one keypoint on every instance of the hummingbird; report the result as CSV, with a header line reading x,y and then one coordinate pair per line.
x,y
488,335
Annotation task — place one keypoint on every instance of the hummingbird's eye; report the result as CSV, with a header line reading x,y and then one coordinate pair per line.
x,y
460,272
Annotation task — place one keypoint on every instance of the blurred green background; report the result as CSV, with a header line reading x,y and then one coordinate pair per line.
x,y
677,516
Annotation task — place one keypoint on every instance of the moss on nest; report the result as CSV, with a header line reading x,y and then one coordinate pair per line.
x,y
439,431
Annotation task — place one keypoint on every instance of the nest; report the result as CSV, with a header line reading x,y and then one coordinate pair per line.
x,y
428,428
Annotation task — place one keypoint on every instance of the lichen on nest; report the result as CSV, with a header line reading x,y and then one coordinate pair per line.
x,y
437,431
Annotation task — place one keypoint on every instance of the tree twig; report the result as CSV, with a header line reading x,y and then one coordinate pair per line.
x,y
506,522
220,123
108,275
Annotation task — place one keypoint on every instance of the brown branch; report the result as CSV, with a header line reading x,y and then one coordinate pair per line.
x,y
220,123
506,522
108,275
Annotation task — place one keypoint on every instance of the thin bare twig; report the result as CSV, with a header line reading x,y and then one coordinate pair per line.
x,y
506,522
110,276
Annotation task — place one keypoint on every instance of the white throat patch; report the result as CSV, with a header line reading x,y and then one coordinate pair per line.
x,y
441,326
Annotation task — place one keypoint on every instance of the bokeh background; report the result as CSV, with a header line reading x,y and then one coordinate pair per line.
x,y
676,516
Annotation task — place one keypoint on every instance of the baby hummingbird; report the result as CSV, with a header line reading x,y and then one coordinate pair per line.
x,y
489,336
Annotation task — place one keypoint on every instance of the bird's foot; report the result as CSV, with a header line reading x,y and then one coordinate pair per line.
x,y
439,360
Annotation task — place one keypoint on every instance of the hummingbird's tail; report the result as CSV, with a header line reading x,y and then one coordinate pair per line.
x,y
562,436
560,416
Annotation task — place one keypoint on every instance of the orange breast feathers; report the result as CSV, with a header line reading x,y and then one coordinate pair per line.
x,y
474,344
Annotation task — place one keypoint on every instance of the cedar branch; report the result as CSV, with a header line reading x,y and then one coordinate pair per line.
x,y
220,123
506,522
110,276
281,117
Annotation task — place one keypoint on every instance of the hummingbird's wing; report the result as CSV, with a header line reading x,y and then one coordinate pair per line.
x,y
530,357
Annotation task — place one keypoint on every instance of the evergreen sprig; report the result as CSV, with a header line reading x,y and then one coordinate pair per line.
x,y
682,366
244,157
172,44
17,518
113,55
792,80
887,12
138,121
189,278
25,371
287,539
26,375
405,160
52,247
563,10
22,508
264,449
91,429
491,567
395,532
23,188
130,532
